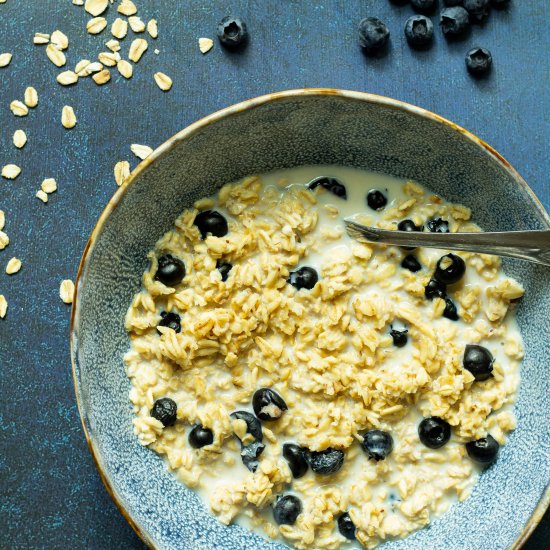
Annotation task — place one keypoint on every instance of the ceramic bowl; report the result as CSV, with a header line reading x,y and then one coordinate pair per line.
x,y
278,131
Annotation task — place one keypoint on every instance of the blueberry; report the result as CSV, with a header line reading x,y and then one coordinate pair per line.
x,y
434,432
250,454
452,2
268,404
253,426
399,337
438,225
330,184
287,509
411,263
377,444
479,361
500,4
419,31
408,225
484,450
305,277
170,270
199,436
450,311
296,457
165,411
224,268
434,289
424,6
373,34
170,320
376,199
479,61
232,32
454,21
449,269
346,526
478,10
211,222
326,462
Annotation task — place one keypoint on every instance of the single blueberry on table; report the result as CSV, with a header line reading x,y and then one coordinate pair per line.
x,y
330,184
478,9
376,199
419,31
250,454
450,311
411,263
479,61
170,320
377,444
437,225
199,436
434,432
211,222
165,410
232,32
479,361
424,6
296,457
449,269
170,270
484,450
224,268
326,462
287,509
399,337
454,21
305,277
434,289
268,404
373,34
346,526
253,426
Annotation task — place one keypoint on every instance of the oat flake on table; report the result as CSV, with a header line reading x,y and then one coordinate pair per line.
x,y
102,77
96,25
122,171
49,185
41,38
18,108
127,7
96,7
5,59
55,55
67,78
141,151
19,140
164,82
31,97
42,196
136,24
60,40
137,49
205,44
10,171
3,306
152,28
66,291
68,118
125,68
14,265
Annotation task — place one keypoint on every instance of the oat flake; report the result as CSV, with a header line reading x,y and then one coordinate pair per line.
x,y
60,39
125,68
67,78
41,38
82,64
119,28
94,67
18,108
19,140
68,118
164,82
127,7
113,45
137,49
4,240
136,24
42,196
205,44
2,220
10,171
31,97
55,55
96,7
66,291
102,77
109,59
14,265
49,185
5,59
141,151
96,25
3,306
152,28
122,171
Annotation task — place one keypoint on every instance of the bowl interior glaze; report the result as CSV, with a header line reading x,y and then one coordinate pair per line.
x,y
280,131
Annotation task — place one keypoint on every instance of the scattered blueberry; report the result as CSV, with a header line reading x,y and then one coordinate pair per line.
x,y
224,268
479,361
250,454
478,10
408,225
170,270
454,21
296,457
377,444
170,320
376,199
326,462
287,509
373,34
305,277
500,4
330,184
479,61
419,31
399,337
211,222
434,289
232,32
268,404
449,269
424,6
450,311
346,526
165,411
199,436
434,432
253,426
438,225
411,263
484,450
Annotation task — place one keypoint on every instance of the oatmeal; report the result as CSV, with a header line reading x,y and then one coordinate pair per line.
x,y
322,391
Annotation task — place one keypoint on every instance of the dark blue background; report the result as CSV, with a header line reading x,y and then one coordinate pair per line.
x,y
52,496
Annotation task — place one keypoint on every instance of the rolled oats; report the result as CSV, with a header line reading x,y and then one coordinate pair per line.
x,y
89,68
125,68
137,49
42,196
31,97
41,38
66,291
136,24
3,306
109,59
49,185
127,7
60,40
141,151
68,117
18,108
205,44
19,140
5,59
2,220
96,25
119,28
13,266
152,28
10,171
96,7
164,82
67,78
113,45
102,77
55,55
122,171
4,240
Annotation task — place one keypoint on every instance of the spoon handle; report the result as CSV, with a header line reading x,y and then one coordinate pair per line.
x,y
533,246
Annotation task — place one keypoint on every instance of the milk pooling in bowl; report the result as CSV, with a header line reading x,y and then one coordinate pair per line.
x,y
322,391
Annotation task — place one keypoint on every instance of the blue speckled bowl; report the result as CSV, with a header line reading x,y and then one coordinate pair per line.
x,y
284,130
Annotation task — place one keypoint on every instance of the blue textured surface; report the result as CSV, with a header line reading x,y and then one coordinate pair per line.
x,y
52,495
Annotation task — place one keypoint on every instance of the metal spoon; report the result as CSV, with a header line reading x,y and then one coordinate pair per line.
x,y
533,246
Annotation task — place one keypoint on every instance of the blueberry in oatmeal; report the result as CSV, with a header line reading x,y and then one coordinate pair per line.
x,y
211,222
399,337
305,277
200,436
224,268
326,462
449,269
268,404
250,454
170,270
434,432
411,263
435,289
479,361
346,526
450,312
287,509
484,450
165,411
377,444
296,457
437,225
171,320
253,426
376,199
330,184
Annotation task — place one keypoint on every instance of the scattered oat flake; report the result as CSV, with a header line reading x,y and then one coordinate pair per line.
x,y
205,44
141,151
82,64
152,28
41,38
136,24
49,185
4,240
66,78
137,49
68,118
78,2
59,39
96,25
3,306
14,265
31,97
42,196
2,220
122,171
164,82
125,68
108,58
10,171
55,55
94,67
127,7
66,291
113,45
18,108
5,59
156,51
119,28
102,77
96,7
19,140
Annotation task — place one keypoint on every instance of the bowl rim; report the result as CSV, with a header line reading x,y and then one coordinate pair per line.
x,y
544,501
